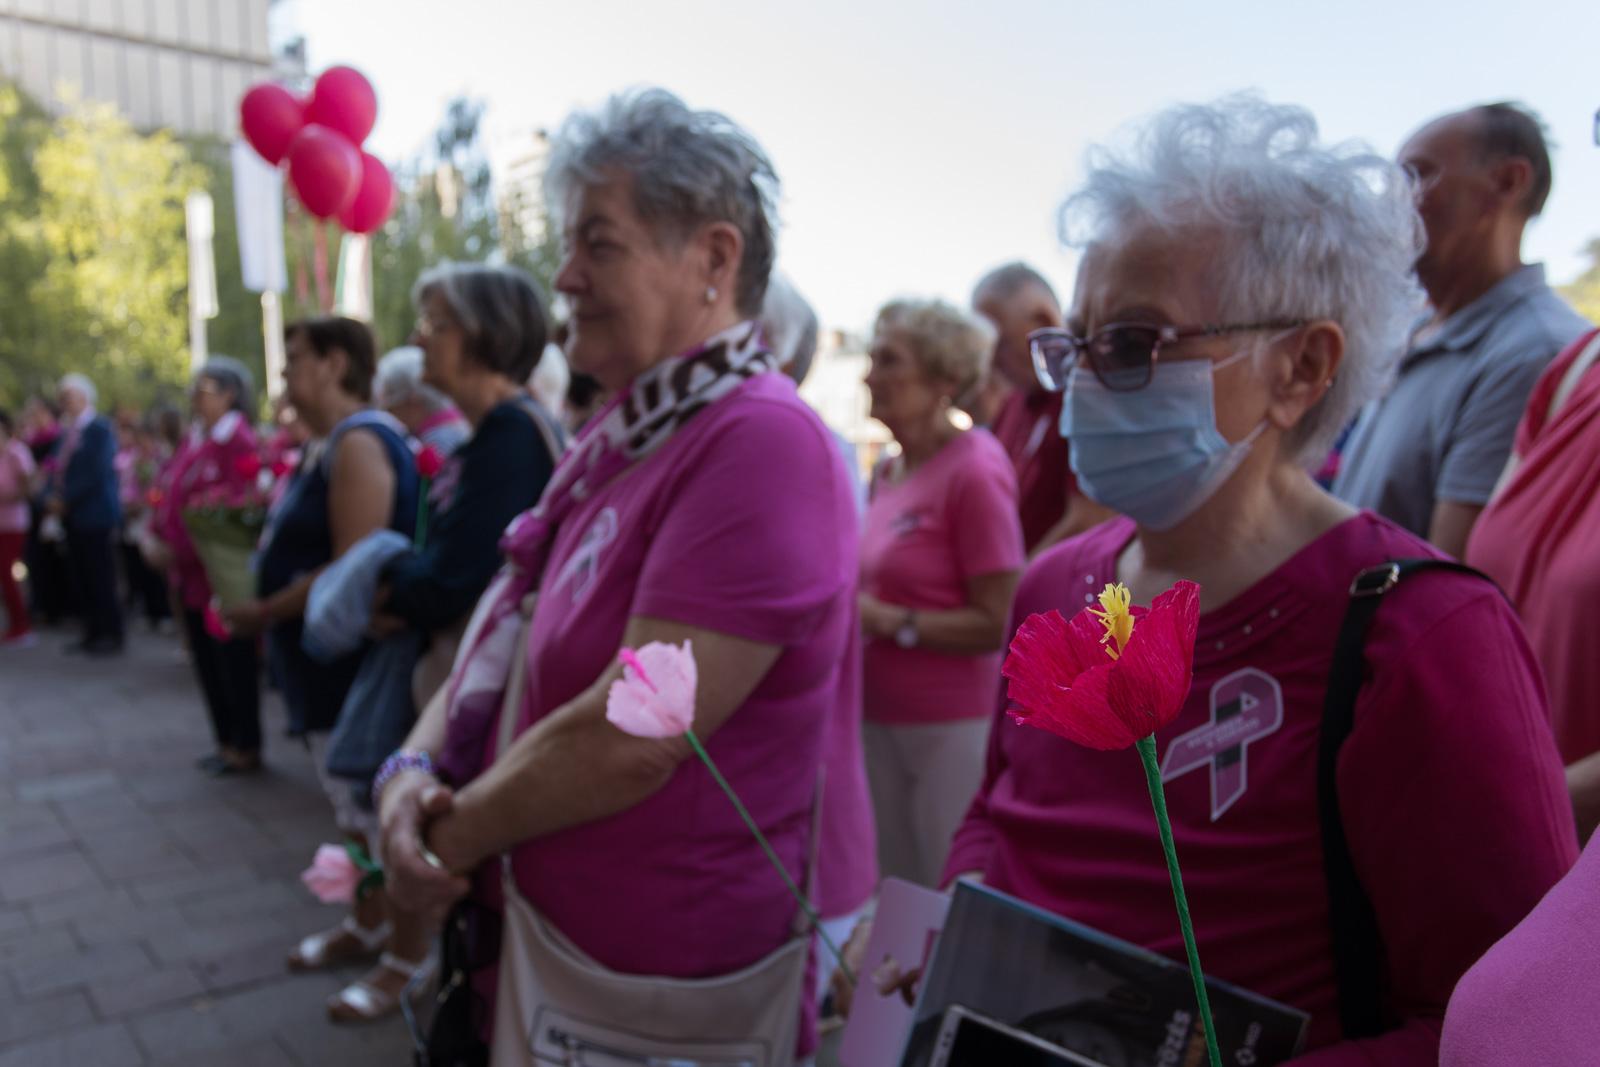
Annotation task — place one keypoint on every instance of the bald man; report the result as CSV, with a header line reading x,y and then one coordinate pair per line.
x,y
1428,455
1017,300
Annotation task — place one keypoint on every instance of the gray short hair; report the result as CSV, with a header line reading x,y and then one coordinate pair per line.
x,y
81,384
498,308
1304,230
688,167
947,341
1009,279
233,377
399,378
790,325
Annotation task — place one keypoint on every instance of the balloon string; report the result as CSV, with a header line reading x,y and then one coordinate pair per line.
x,y
320,266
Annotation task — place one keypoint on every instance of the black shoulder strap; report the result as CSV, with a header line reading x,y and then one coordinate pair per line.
x,y
1357,947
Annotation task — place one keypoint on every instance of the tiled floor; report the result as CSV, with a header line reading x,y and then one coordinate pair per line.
x,y
145,909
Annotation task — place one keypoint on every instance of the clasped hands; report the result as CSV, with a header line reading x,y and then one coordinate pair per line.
x,y
426,861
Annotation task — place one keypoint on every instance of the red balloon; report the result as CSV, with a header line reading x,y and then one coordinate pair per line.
x,y
343,100
270,116
325,170
374,197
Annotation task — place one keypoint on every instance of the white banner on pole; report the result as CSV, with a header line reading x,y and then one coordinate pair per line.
x,y
199,226
272,335
353,286
258,210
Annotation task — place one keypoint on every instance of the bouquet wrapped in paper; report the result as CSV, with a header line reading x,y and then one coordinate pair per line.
x,y
225,524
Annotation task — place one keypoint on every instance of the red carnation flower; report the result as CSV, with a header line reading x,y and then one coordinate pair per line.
x,y
247,466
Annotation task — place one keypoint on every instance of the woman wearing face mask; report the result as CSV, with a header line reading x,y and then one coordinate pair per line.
x,y
1242,288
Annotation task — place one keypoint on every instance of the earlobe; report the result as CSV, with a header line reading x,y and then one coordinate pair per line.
x,y
724,248
1313,362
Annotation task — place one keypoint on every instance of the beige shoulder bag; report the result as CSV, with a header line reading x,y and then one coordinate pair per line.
x,y
555,1005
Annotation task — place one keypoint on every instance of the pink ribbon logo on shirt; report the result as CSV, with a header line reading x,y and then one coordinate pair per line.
x,y
1246,706
584,563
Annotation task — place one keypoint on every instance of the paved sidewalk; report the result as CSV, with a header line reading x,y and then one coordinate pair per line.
x,y
145,909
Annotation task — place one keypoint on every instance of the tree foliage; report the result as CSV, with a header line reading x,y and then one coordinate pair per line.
x,y
1584,292
93,259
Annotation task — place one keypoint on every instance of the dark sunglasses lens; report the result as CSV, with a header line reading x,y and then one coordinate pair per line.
x,y
1122,357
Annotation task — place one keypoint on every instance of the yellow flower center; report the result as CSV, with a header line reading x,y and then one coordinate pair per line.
x,y
1115,615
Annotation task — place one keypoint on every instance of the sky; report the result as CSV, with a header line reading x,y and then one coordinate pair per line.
x,y
920,144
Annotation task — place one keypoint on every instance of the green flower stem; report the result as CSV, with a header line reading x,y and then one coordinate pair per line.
x,y
422,514
1158,798
371,871
761,839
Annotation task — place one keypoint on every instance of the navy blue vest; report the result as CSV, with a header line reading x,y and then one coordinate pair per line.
x,y
297,541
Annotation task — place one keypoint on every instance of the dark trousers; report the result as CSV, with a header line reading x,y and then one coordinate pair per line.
x,y
147,590
94,571
227,671
50,590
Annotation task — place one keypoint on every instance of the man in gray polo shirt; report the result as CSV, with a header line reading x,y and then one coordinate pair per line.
x,y
1427,456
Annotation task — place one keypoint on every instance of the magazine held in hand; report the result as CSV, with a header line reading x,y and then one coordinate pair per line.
x,y
1008,966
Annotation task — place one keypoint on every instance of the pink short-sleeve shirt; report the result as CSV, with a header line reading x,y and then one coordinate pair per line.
x,y
923,538
743,523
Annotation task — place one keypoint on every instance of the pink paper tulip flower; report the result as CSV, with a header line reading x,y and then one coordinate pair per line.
x,y
332,876
655,695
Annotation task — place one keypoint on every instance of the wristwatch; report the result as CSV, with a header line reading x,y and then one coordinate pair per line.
x,y
905,635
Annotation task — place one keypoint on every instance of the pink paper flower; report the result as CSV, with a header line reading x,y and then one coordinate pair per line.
x,y
655,695
332,876
216,628
429,462
1107,677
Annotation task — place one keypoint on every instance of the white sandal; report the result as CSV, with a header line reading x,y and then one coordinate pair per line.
x,y
313,952
361,1002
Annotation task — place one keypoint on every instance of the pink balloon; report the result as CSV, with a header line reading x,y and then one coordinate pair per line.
x,y
270,116
374,197
343,100
325,170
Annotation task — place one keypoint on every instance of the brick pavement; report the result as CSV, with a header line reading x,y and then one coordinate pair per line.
x,y
145,909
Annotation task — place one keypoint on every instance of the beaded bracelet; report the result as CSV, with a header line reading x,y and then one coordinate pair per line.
x,y
405,759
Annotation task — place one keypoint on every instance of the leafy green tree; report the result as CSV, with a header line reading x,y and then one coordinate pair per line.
x,y
1584,292
93,261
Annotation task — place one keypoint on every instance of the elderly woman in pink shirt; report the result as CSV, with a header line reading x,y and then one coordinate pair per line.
x,y
219,455
1242,289
941,551
705,503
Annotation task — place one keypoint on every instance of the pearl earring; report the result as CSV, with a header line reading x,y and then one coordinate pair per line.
x,y
711,294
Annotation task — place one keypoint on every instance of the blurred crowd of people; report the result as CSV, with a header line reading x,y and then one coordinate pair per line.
x,y
459,538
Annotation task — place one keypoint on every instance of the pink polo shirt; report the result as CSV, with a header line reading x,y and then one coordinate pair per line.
x,y
742,523
1452,796
923,538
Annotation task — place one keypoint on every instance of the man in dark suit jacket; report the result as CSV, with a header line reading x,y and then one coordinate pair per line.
x,y
87,502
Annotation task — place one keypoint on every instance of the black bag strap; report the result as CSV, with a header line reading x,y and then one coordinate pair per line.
x,y
1357,947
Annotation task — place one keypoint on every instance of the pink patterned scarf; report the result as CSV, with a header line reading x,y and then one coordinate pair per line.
x,y
630,428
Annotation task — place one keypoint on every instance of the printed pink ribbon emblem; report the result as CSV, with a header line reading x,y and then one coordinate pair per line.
x,y
1246,706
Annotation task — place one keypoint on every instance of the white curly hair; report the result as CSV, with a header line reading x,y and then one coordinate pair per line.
x,y
1307,230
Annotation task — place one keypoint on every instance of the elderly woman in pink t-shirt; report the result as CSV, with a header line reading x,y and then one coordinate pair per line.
x,y
1242,290
941,551
706,503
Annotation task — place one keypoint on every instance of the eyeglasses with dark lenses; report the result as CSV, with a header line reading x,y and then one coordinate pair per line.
x,y
1122,355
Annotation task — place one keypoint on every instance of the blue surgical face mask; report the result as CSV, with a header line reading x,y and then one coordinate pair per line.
x,y
1154,455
